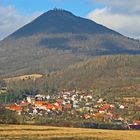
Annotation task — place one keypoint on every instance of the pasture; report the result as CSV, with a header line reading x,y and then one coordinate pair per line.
x,y
32,132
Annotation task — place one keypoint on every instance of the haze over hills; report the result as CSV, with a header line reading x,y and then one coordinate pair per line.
x,y
57,39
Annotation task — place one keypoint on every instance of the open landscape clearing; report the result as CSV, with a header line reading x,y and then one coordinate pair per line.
x,y
30,132
24,77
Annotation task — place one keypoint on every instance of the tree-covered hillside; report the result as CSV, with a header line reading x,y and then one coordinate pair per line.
x,y
105,71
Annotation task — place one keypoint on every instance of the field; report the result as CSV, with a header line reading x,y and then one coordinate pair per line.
x,y
32,132
24,77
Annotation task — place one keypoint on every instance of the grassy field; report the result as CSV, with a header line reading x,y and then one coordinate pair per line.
x,y
29,132
24,77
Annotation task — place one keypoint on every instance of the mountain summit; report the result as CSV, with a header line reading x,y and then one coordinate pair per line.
x,y
57,39
61,21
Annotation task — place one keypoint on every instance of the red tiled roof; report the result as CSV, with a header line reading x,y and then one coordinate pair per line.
x,y
24,104
39,103
86,116
14,108
137,122
106,106
58,107
101,109
60,102
116,117
50,106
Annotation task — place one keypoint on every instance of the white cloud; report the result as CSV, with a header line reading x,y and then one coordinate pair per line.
x,y
120,15
125,6
11,20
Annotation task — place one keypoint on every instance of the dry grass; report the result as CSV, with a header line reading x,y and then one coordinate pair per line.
x,y
30,132
24,77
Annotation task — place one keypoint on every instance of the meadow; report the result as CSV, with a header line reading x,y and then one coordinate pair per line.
x,y
33,132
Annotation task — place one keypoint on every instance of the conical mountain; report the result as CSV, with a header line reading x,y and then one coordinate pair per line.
x,y
57,39
61,21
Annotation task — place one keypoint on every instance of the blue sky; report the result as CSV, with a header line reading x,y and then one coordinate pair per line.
x,y
120,15
79,7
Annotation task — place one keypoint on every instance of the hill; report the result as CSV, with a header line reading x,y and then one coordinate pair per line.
x,y
102,72
57,39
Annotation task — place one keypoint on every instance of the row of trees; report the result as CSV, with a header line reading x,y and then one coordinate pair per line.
x,y
9,117
16,90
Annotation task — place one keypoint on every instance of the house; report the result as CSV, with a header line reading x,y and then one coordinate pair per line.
x,y
100,100
86,108
65,96
121,106
50,107
101,110
136,122
112,106
35,111
48,97
107,117
117,118
15,108
86,116
134,126
30,99
87,96
75,106
106,106
59,108
39,103
24,104
59,101
68,106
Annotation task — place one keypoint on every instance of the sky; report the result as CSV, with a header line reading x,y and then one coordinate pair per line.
x,y
120,15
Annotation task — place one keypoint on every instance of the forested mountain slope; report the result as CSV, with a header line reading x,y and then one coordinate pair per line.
x,y
57,39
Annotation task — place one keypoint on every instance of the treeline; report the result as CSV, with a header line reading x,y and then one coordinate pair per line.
x,y
15,91
9,117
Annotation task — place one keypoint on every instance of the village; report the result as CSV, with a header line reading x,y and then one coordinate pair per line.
x,y
69,105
